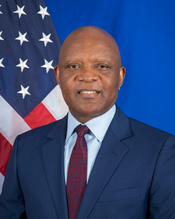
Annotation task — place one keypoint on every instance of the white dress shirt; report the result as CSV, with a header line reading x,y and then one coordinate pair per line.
x,y
98,127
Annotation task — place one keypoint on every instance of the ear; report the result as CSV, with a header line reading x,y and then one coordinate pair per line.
x,y
57,74
121,76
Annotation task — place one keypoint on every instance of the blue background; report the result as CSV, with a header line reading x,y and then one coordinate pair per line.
x,y
145,33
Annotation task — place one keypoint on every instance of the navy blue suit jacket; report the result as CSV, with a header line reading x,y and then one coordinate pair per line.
x,y
133,176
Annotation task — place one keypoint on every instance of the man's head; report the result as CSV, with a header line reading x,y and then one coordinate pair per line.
x,y
89,72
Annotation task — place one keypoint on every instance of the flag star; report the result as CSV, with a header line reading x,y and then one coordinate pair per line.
x,y
1,65
20,11
43,11
1,11
46,39
22,64
47,65
24,91
0,36
22,37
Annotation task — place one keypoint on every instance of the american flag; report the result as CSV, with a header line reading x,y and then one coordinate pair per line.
x,y
29,94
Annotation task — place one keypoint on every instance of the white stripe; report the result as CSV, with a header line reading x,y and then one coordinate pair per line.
x,y
55,103
11,123
1,182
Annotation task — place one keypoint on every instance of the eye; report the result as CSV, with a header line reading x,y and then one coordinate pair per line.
x,y
72,66
102,66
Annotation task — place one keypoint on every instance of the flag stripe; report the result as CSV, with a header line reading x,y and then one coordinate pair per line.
x,y
5,151
1,182
39,116
13,124
55,103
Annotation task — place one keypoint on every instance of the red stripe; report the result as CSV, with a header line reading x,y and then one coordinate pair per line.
x,y
5,151
39,116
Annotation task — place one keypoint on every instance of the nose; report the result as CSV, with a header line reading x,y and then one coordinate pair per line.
x,y
87,74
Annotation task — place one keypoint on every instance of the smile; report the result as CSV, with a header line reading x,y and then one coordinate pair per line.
x,y
88,92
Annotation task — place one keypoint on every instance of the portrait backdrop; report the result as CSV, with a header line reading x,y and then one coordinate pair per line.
x,y
31,33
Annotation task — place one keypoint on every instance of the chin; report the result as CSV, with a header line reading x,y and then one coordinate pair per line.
x,y
90,113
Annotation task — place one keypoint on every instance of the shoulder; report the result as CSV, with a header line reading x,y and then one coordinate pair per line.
x,y
146,132
42,130
140,133
41,134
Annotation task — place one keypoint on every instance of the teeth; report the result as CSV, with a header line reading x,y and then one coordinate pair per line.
x,y
89,92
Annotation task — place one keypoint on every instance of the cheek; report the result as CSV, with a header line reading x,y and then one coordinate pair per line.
x,y
66,84
68,90
111,87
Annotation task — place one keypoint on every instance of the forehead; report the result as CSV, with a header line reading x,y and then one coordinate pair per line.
x,y
89,44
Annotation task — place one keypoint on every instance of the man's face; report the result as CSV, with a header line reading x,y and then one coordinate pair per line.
x,y
89,75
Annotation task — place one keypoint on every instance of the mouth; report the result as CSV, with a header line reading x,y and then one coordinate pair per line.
x,y
90,94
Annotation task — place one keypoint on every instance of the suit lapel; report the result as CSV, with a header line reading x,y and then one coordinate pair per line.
x,y
110,155
53,154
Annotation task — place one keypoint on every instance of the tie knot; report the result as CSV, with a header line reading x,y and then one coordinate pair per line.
x,y
81,130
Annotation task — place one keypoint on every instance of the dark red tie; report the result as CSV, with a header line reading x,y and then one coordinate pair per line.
x,y
77,172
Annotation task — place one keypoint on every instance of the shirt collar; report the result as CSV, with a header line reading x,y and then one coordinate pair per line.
x,y
97,125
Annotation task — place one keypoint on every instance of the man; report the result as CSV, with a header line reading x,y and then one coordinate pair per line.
x,y
129,167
